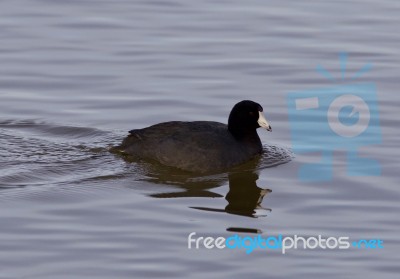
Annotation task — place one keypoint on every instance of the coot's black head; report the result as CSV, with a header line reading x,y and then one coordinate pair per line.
x,y
245,117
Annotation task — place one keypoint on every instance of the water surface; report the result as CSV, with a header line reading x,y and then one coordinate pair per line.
x,y
75,76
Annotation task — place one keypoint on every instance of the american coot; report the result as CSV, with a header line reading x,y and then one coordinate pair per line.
x,y
200,146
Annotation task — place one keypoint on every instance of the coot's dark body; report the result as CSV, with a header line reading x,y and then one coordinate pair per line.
x,y
200,146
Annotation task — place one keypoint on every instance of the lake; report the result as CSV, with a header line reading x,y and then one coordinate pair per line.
x,y
76,76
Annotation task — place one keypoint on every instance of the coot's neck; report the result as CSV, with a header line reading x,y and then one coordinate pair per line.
x,y
243,134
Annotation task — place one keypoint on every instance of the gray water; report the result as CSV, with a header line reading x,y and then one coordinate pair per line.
x,y
75,76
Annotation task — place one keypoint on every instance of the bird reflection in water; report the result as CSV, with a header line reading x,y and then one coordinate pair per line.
x,y
244,197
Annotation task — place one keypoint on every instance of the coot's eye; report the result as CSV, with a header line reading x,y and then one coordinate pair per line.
x,y
251,113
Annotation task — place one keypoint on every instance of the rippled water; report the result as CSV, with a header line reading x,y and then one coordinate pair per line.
x,y
75,76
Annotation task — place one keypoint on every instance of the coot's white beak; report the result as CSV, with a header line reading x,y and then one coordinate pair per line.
x,y
263,122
